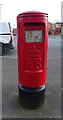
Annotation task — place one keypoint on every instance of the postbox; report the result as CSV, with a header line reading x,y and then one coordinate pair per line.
x,y
32,34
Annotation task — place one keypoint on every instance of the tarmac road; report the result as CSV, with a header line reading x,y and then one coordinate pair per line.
x,y
51,107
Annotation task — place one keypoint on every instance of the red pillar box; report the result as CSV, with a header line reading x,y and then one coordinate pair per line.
x,y
32,33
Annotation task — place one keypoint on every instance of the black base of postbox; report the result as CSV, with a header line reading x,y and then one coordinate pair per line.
x,y
31,98
29,89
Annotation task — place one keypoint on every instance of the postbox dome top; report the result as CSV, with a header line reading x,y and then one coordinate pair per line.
x,y
33,13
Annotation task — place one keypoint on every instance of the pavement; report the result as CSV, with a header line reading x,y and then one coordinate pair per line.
x,y
51,107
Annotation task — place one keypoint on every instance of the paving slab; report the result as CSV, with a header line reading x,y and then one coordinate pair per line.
x,y
52,103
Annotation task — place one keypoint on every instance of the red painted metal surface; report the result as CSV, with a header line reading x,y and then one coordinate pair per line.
x,y
32,56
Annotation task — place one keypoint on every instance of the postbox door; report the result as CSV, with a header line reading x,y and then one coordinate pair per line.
x,y
34,48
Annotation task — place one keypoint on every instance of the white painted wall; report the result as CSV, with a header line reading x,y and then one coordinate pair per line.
x,y
0,12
